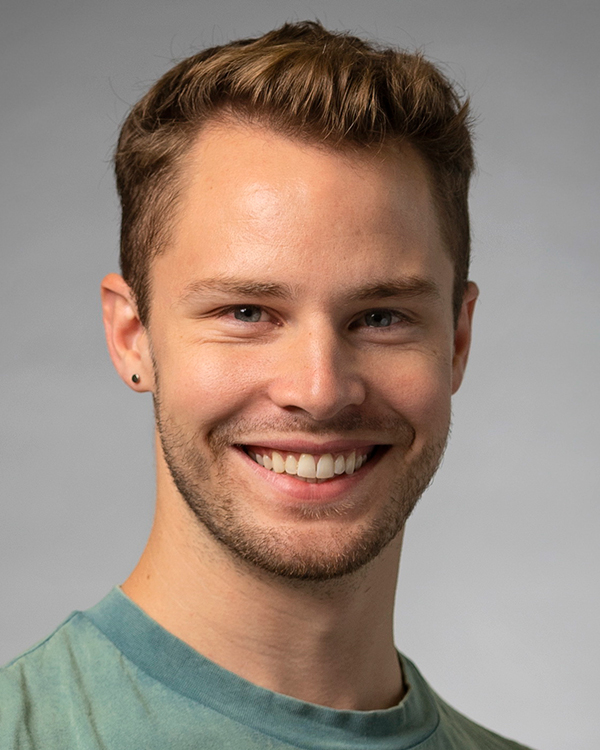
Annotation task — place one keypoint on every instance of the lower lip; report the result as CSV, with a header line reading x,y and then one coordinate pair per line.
x,y
312,492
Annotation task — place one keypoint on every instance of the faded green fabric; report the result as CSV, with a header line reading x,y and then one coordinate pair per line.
x,y
111,678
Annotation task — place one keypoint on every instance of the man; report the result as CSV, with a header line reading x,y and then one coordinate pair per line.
x,y
295,295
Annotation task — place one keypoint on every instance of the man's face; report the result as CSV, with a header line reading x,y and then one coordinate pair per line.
x,y
301,324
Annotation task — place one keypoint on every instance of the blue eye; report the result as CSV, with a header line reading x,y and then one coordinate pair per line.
x,y
247,313
379,318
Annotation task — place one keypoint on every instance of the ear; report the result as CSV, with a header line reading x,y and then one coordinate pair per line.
x,y
126,337
462,335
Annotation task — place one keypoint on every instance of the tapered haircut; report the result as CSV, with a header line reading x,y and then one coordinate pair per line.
x,y
306,82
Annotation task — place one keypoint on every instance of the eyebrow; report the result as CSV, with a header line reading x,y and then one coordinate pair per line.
x,y
405,286
238,287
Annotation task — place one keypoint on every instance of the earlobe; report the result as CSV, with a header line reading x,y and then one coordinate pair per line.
x,y
126,336
462,335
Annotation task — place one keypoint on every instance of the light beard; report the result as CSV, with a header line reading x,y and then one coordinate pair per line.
x,y
277,549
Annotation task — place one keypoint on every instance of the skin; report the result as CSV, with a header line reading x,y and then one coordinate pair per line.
x,y
307,370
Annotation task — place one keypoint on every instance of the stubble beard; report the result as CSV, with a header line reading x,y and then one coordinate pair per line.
x,y
274,550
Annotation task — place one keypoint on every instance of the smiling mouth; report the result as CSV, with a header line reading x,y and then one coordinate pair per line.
x,y
309,467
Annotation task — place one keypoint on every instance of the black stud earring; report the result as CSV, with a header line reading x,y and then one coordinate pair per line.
x,y
135,378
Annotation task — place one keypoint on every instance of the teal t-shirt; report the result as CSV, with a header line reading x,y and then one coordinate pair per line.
x,y
111,678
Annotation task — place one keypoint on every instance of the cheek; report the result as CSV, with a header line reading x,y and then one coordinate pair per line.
x,y
208,384
419,388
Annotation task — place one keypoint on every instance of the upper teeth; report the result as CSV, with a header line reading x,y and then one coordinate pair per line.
x,y
308,466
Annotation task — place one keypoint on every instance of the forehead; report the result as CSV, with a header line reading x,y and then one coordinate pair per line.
x,y
259,169
259,202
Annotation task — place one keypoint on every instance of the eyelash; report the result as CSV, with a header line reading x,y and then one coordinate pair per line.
x,y
401,317
230,310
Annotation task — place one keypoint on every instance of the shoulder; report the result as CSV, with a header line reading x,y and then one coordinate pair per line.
x,y
55,657
39,688
462,733
13,673
453,730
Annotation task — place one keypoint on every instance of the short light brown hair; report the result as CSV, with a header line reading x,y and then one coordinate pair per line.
x,y
306,82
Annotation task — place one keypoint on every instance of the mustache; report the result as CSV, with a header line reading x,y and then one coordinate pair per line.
x,y
351,425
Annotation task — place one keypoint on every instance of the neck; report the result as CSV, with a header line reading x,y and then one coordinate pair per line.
x,y
329,642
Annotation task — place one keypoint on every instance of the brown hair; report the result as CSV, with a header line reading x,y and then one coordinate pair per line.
x,y
307,82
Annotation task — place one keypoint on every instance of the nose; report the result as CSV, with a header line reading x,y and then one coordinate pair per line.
x,y
316,372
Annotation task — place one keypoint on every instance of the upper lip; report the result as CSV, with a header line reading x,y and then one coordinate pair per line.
x,y
308,446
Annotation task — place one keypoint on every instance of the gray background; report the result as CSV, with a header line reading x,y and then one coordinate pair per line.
x,y
498,596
